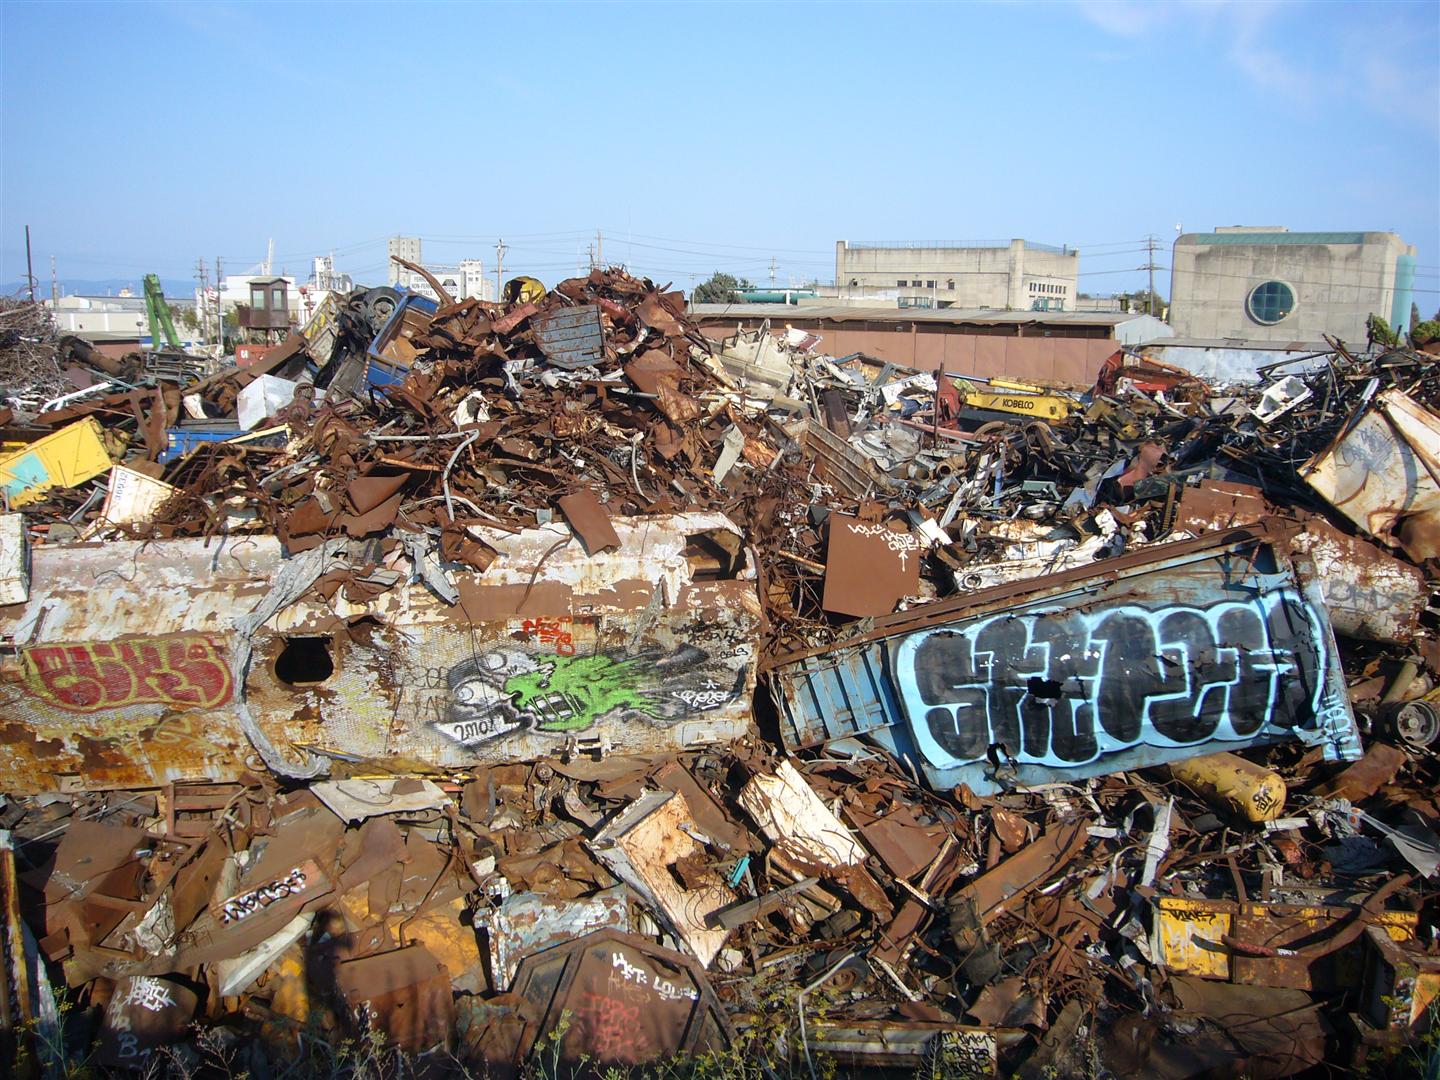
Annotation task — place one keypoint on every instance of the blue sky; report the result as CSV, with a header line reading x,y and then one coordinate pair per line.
x,y
139,137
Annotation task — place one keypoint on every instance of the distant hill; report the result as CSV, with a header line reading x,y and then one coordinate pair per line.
x,y
176,288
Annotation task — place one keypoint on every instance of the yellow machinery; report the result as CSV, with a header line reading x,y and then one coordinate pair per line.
x,y
979,400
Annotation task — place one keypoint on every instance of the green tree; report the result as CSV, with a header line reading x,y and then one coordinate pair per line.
x,y
1378,331
184,316
719,289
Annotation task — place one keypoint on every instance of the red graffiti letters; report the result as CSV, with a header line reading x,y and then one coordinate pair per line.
x,y
183,670
551,632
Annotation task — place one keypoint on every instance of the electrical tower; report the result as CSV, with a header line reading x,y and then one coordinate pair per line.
x,y
1150,266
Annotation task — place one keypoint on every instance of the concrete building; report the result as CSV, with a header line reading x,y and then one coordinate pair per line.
x,y
461,280
1018,276
1065,348
116,325
1266,283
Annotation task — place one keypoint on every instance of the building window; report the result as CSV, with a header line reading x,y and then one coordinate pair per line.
x,y
929,284
1270,302
277,300
259,299
950,284
901,283
915,284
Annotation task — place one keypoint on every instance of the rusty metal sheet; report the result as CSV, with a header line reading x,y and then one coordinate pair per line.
x,y
641,846
571,338
122,670
1280,1030
16,1004
627,1002
836,463
1383,473
1216,504
965,1049
1006,886
405,994
1173,652
527,923
590,520
286,893
144,1014
1368,592
869,566
1365,777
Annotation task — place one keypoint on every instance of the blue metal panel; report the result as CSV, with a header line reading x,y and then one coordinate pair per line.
x,y
383,372
181,440
1215,650
829,697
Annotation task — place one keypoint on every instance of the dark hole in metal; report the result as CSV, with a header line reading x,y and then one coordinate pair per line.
x,y
1045,689
304,661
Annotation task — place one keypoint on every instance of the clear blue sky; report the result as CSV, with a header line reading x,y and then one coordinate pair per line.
x,y
138,137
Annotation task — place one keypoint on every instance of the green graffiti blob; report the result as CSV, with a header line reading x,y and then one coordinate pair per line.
x,y
569,693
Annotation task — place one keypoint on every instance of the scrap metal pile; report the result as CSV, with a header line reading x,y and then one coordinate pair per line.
x,y
539,680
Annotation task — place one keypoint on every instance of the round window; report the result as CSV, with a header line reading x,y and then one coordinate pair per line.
x,y
1270,302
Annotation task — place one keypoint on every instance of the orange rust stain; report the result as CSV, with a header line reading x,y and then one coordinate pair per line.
x,y
181,670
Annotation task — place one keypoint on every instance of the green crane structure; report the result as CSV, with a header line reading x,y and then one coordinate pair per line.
x,y
159,312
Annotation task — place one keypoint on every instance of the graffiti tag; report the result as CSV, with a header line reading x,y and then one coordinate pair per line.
x,y
638,976
901,543
297,881
1062,688
149,994
510,689
183,670
612,1029
553,633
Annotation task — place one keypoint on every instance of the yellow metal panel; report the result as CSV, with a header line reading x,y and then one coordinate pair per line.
x,y
1187,934
1187,937
70,456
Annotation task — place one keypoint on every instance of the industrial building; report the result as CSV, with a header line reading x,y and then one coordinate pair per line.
x,y
1016,276
1052,347
1265,283
461,280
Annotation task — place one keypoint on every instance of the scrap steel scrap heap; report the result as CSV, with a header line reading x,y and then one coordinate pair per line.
x,y
543,686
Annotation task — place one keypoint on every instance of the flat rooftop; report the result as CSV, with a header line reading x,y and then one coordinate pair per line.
x,y
945,316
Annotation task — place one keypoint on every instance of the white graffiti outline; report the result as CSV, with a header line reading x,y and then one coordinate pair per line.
x,y
980,693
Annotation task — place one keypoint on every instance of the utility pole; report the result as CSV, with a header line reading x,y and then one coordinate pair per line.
x,y
1150,266
29,270
54,286
500,250
599,250
772,271
590,255
219,311
202,298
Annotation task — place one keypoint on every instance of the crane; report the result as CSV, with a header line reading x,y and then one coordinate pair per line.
x,y
159,313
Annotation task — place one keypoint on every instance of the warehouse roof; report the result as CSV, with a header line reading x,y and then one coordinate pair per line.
x,y
951,316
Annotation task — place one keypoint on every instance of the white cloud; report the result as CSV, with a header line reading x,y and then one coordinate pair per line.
x,y
1389,67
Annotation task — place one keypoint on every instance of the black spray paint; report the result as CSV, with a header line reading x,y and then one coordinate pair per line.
x,y
1061,688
